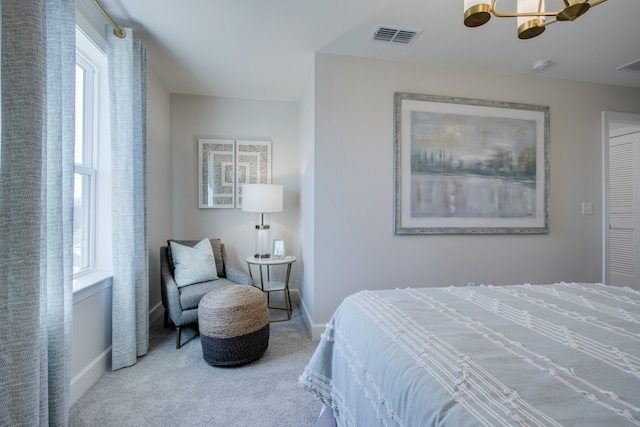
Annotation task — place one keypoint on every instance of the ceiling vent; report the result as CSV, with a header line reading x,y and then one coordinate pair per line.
x,y
395,35
631,66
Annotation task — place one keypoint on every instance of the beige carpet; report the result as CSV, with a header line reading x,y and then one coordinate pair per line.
x,y
170,387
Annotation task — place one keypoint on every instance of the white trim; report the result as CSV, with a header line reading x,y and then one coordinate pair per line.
x,y
98,39
633,120
314,329
88,284
90,375
90,50
156,312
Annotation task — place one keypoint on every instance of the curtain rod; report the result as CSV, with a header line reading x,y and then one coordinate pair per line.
x,y
117,31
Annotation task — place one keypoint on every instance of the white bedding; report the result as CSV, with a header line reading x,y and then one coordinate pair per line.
x,y
532,355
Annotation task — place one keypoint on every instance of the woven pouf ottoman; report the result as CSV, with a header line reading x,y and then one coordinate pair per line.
x,y
234,325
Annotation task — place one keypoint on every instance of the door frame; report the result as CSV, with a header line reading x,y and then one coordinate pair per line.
x,y
632,122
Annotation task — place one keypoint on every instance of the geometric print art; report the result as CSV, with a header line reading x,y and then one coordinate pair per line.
x,y
253,165
216,173
224,165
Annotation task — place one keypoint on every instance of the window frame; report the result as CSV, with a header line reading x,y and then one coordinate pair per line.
x,y
92,48
87,167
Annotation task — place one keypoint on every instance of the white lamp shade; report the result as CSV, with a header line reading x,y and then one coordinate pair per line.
x,y
471,3
529,6
262,197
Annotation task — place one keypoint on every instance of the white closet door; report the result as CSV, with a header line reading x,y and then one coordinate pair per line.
x,y
624,211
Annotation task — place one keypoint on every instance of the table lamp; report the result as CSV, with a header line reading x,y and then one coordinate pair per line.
x,y
262,199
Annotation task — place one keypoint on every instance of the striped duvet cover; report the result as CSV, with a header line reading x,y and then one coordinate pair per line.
x,y
566,354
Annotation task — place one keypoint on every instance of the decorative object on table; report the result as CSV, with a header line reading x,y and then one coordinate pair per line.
x,y
234,325
216,187
182,289
269,286
531,14
225,164
470,166
253,165
262,199
278,248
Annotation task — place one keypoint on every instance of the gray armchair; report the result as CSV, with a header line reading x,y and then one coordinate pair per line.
x,y
181,303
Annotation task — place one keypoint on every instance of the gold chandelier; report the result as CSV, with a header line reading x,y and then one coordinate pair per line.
x,y
531,14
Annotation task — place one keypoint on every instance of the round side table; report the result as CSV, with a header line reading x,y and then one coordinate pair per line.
x,y
268,286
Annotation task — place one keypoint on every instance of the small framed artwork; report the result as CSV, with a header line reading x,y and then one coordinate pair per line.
x,y
253,165
278,248
216,186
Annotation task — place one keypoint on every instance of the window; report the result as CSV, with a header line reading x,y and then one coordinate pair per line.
x,y
84,173
92,174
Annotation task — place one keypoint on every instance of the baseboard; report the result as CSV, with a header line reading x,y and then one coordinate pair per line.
x,y
90,375
156,313
314,329
101,364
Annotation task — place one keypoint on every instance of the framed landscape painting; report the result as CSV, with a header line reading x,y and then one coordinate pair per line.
x,y
470,166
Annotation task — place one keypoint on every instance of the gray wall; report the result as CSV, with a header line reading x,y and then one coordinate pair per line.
x,y
307,196
195,117
90,336
159,173
354,246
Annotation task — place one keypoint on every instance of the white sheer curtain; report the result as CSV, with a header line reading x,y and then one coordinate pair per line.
x,y
36,210
128,91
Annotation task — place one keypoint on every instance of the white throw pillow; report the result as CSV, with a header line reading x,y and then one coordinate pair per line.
x,y
193,264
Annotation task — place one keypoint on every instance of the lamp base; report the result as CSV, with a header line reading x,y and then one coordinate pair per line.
x,y
262,236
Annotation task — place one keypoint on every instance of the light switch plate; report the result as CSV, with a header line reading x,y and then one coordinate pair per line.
x,y
587,208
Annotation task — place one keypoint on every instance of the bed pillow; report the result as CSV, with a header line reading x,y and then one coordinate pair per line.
x,y
193,264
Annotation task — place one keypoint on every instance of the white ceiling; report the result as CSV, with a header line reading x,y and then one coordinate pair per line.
x,y
263,49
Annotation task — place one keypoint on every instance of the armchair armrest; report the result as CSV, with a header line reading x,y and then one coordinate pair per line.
x,y
237,276
234,274
169,288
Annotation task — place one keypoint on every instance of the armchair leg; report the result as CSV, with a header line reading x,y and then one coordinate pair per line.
x,y
178,333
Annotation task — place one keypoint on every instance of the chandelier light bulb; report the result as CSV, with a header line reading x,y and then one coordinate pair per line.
x,y
530,26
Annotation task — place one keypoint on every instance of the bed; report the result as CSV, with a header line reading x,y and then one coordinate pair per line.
x,y
566,354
